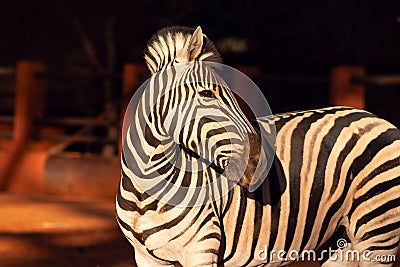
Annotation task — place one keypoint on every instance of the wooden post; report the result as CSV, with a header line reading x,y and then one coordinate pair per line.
x,y
28,105
131,77
342,91
29,99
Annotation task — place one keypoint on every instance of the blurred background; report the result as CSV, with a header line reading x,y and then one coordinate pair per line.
x,y
68,68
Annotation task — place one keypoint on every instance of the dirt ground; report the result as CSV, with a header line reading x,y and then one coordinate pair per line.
x,y
63,232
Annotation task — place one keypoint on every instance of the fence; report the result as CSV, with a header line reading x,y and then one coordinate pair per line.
x,y
25,162
28,146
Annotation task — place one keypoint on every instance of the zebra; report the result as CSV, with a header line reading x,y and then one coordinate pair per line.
x,y
335,174
154,140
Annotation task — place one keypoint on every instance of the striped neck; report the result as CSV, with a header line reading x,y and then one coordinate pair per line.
x,y
158,165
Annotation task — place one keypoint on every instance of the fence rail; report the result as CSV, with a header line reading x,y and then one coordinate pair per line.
x,y
71,76
8,72
376,80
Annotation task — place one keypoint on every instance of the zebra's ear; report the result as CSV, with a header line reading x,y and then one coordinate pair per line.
x,y
195,44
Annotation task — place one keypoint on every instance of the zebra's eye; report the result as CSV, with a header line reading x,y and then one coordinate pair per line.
x,y
207,93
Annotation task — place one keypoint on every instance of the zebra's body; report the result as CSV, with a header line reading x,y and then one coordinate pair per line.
x,y
334,166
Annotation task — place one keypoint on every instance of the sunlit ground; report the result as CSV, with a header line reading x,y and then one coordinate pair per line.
x,y
63,231
54,231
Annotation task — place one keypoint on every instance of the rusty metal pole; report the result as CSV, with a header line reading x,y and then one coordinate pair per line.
x,y
342,91
131,78
28,105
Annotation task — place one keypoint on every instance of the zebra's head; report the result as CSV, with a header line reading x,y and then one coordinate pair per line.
x,y
194,108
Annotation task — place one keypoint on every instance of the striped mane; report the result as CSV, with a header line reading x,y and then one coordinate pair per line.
x,y
163,48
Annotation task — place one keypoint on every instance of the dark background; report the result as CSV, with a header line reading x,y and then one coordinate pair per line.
x,y
302,38
283,38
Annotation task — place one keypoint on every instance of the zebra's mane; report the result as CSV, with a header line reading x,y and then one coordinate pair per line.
x,y
162,48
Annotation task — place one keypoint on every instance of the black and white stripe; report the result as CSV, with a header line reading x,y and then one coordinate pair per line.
x,y
171,45
186,131
333,168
